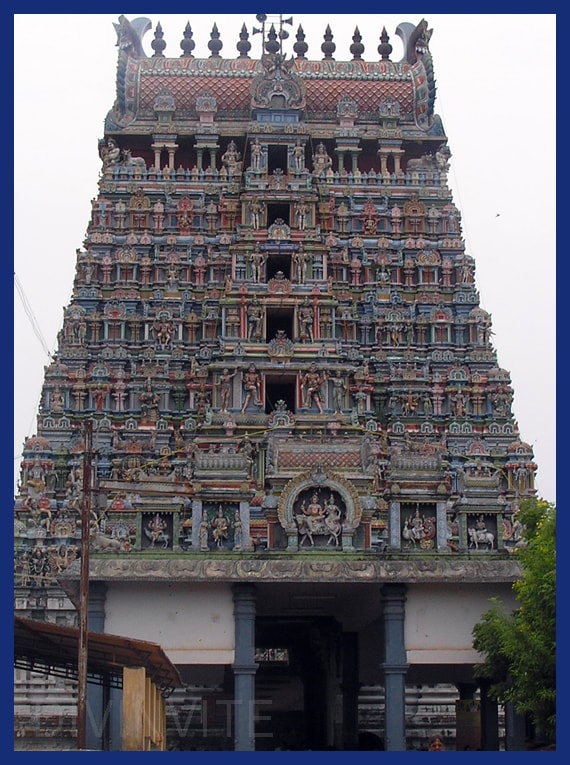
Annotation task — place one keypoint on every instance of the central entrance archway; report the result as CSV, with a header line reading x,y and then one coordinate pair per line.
x,y
298,683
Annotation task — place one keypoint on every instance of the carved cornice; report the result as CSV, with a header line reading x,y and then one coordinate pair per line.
x,y
296,569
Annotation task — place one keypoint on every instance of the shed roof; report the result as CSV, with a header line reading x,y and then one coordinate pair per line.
x,y
53,649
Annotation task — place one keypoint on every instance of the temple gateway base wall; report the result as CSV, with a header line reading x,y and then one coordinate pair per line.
x,y
193,624
439,623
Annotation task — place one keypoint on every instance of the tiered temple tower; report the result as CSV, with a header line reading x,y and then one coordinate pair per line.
x,y
299,421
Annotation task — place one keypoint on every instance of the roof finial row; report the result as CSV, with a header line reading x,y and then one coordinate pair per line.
x,y
272,41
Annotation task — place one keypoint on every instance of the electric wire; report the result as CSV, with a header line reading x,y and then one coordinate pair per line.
x,y
28,310
30,314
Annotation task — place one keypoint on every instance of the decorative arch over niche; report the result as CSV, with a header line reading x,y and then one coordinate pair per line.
x,y
324,484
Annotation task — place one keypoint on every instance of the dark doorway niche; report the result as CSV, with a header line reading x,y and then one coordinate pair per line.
x,y
277,211
279,318
280,387
277,158
278,261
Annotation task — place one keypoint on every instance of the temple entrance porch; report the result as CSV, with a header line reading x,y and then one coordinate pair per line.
x,y
285,665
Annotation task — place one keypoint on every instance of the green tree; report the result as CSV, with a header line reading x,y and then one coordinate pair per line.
x,y
519,648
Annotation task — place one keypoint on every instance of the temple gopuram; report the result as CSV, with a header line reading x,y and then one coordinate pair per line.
x,y
276,394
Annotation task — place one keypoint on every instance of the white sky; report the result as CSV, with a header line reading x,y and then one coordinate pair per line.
x,y
495,77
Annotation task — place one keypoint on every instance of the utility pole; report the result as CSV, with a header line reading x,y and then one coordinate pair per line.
x,y
84,589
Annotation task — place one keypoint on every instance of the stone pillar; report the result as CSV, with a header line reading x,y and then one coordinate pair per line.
x,y
350,688
246,544
354,159
97,697
397,154
96,607
489,720
244,667
383,162
462,523
441,524
515,729
196,520
395,666
347,539
395,526
467,718
292,538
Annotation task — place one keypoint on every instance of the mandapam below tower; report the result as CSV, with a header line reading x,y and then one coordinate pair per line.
x,y
299,420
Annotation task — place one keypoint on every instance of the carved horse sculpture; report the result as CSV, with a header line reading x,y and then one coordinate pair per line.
x,y
479,537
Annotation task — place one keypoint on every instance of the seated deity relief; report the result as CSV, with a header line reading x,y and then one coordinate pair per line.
x,y
319,513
